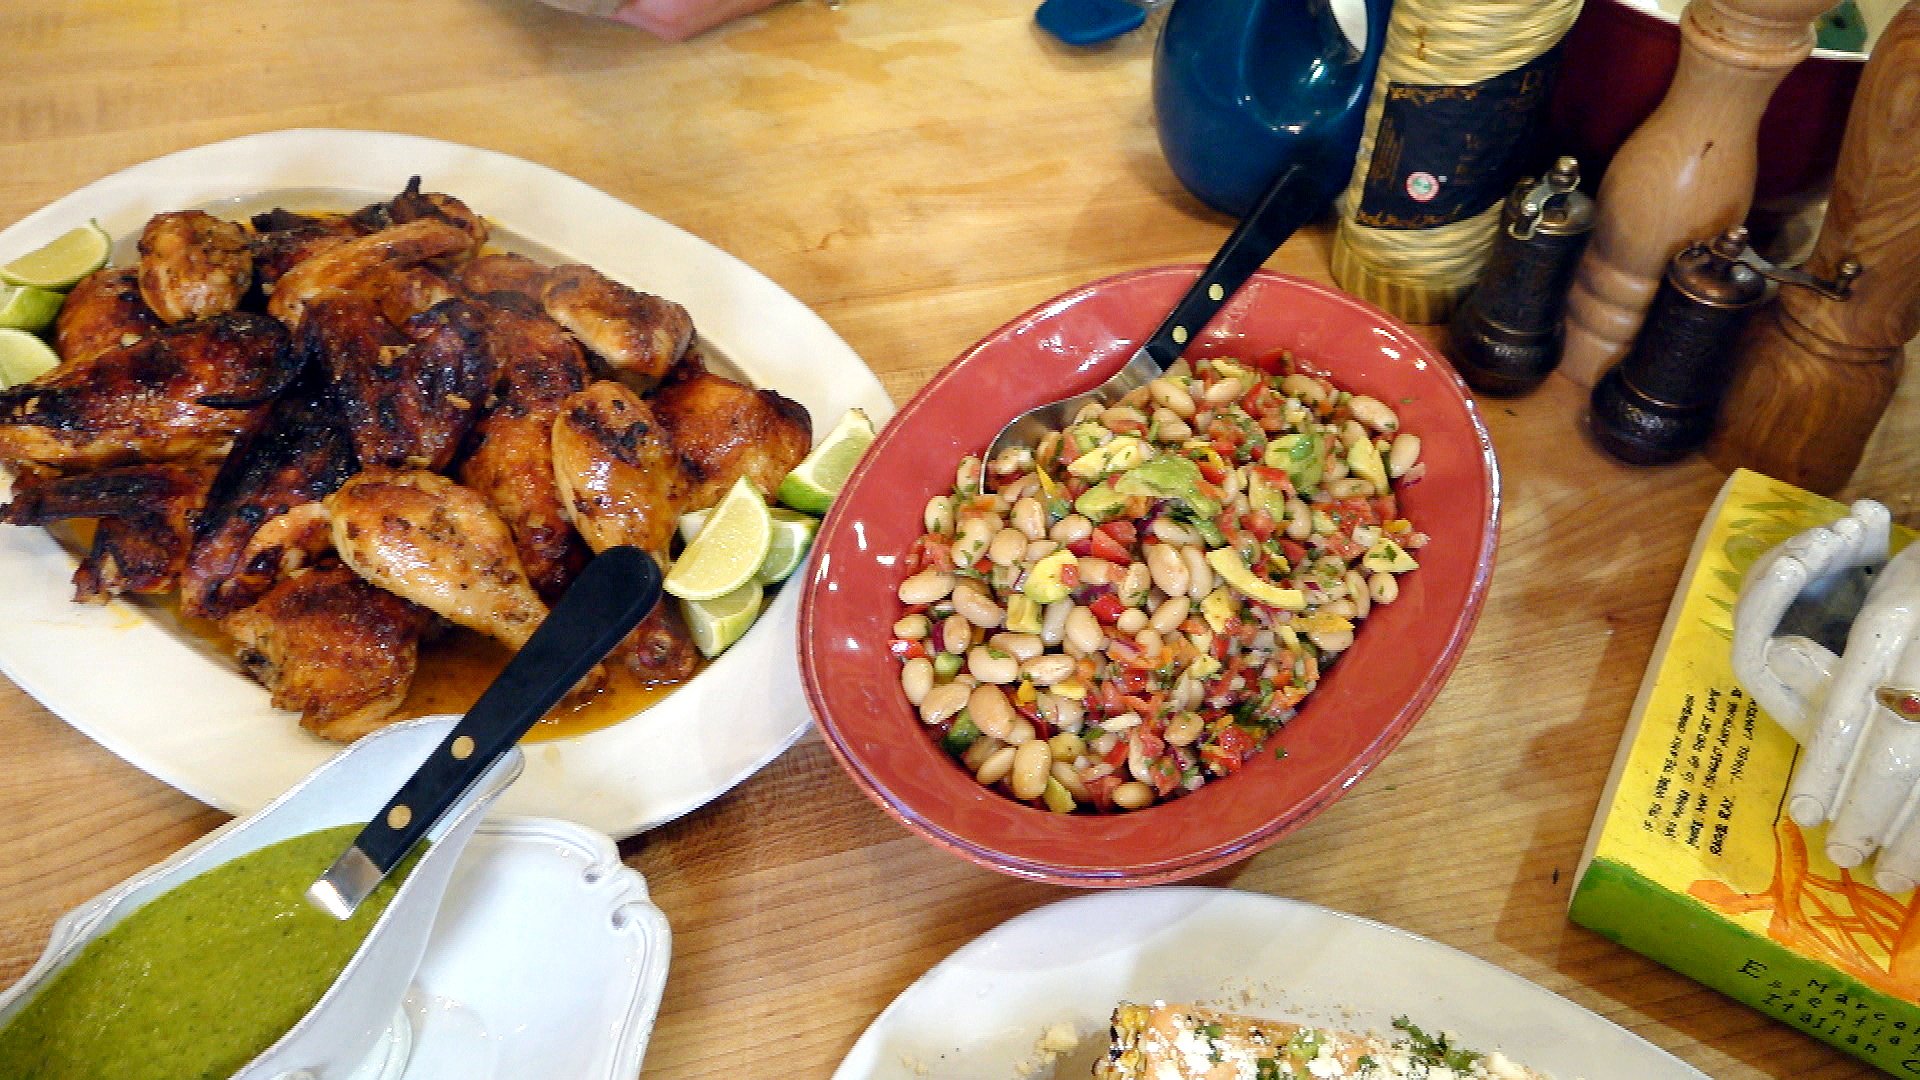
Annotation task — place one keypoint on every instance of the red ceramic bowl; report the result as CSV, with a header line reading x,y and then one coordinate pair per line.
x,y
1359,712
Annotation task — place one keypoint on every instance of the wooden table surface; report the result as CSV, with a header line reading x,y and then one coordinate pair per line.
x,y
918,172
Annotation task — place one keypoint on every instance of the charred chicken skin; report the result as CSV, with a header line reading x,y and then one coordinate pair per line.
x,y
182,393
725,430
636,335
356,265
406,399
145,527
105,311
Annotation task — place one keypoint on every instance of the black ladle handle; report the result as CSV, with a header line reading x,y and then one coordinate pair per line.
x,y
604,604
1291,202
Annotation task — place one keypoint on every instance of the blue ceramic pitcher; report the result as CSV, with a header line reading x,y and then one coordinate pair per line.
x,y
1244,88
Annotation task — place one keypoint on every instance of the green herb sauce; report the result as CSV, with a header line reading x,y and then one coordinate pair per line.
x,y
200,980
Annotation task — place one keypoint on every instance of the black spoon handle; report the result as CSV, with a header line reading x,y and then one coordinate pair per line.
x,y
607,600
1291,202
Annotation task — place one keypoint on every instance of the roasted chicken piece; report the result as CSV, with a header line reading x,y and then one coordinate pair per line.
x,y
406,399
423,537
193,265
511,462
637,336
622,482
503,273
181,393
354,265
332,647
103,312
145,526
282,239
404,294
724,430
263,516
413,204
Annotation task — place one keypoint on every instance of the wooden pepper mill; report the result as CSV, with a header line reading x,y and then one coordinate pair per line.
x,y
1687,173
1814,373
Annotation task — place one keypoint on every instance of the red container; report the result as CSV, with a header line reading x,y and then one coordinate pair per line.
x,y
1620,56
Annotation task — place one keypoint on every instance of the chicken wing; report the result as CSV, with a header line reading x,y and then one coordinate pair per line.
x,y
503,273
423,537
103,312
414,205
332,647
637,336
282,239
145,527
263,516
621,482
193,265
511,462
725,430
406,400
179,394
404,294
352,265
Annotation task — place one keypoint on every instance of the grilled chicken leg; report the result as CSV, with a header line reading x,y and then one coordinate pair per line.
x,y
725,430
423,537
351,265
104,311
193,265
637,335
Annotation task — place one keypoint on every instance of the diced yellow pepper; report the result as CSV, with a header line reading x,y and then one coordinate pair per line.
x,y
1069,689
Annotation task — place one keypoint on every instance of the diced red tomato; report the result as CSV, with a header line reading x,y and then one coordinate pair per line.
x,y
1082,547
1117,755
1351,512
1102,545
1260,524
1214,473
1294,550
1070,575
1276,478
1385,507
1228,750
907,650
1278,362
1107,608
1122,531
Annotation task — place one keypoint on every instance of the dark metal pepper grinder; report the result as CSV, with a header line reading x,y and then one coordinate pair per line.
x,y
1659,403
1506,336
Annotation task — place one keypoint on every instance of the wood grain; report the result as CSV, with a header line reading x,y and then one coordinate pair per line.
x,y
1814,375
919,173
1686,173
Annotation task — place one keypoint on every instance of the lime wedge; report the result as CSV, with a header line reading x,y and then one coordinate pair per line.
x,y
23,307
729,551
716,624
61,264
24,358
792,533
812,486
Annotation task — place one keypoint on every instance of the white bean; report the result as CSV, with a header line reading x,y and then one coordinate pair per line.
x,y
1068,714
942,702
966,478
1169,569
939,515
1168,427
1373,413
1032,764
1048,669
977,754
1024,647
1305,388
1331,641
1132,795
1199,571
1022,733
1171,396
1184,728
1097,571
972,603
1083,636
991,712
996,768
1069,778
1131,621
1040,549
916,678
1170,614
956,634
1122,417
912,628
1299,520
1007,547
1053,624
926,587
1404,453
1223,392
1383,587
1169,531
1071,529
1029,517
976,533
1149,641
1357,592
991,665
1134,584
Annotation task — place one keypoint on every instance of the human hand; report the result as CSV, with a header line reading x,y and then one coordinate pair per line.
x,y
1858,713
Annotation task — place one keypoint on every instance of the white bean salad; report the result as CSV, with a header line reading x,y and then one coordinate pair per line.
x,y
1133,607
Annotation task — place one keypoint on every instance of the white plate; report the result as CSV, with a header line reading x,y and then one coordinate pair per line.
x,y
547,962
188,716
979,1013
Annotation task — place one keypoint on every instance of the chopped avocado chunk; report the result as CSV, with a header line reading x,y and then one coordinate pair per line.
x,y
1301,456
1210,533
1101,503
1057,797
960,734
1226,562
1043,585
1364,459
1023,611
1168,477
1390,557
1124,452
1266,496
1218,607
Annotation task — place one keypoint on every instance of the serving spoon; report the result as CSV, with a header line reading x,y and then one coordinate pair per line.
x,y
609,598
1325,138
